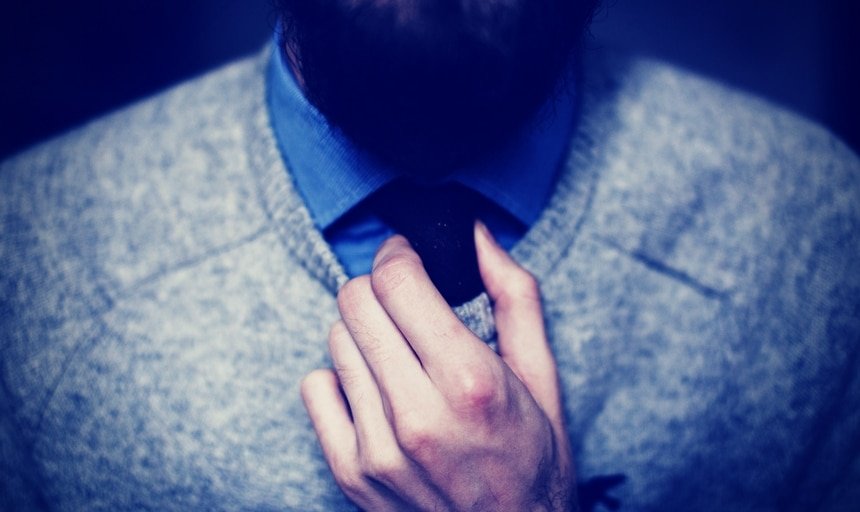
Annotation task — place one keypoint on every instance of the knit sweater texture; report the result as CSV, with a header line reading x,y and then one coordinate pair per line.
x,y
163,290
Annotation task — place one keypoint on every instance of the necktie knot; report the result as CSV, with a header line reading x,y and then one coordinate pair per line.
x,y
438,221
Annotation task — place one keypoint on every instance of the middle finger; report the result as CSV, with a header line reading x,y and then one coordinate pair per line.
x,y
395,367
362,393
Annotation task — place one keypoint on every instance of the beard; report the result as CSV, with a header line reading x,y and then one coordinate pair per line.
x,y
430,85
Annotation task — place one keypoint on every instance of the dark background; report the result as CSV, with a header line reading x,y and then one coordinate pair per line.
x,y
65,62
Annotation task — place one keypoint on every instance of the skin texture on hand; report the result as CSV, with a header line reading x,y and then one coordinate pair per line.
x,y
419,414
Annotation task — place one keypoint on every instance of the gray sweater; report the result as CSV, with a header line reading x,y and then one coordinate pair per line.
x,y
163,290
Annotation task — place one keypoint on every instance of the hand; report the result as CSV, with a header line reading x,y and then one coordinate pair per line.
x,y
420,414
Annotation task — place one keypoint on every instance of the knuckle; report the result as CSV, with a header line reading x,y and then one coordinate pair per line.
x,y
390,274
414,433
520,291
374,351
523,285
346,472
351,481
347,376
478,390
383,465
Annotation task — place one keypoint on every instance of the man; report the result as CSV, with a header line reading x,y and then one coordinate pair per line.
x,y
171,273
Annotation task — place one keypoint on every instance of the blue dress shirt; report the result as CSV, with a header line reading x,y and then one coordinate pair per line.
x,y
333,175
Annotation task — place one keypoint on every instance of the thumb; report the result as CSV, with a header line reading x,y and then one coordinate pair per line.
x,y
519,320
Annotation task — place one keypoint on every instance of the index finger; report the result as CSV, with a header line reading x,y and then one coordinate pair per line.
x,y
440,340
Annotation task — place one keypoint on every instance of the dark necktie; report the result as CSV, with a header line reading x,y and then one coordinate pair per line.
x,y
438,221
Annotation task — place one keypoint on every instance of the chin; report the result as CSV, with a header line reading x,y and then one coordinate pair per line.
x,y
429,85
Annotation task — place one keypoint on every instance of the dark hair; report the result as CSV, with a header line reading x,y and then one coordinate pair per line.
x,y
429,84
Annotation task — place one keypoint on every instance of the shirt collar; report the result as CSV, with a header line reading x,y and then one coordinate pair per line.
x,y
334,175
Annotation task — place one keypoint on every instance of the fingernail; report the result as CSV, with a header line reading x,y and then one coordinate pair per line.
x,y
391,245
484,231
